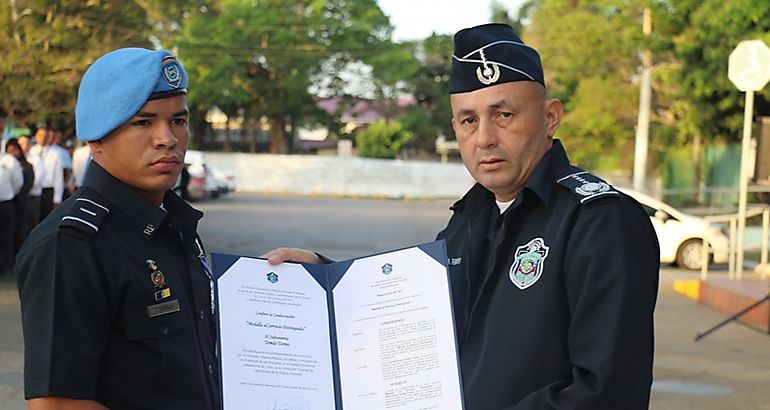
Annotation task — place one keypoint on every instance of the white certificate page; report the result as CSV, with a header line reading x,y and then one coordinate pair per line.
x,y
395,334
274,338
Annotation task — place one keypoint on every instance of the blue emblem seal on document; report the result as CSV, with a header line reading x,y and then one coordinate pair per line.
x,y
272,277
387,269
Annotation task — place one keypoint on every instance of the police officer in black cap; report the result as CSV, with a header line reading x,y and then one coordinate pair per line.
x,y
114,288
554,272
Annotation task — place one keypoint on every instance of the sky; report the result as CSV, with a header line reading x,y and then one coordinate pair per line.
x,y
417,19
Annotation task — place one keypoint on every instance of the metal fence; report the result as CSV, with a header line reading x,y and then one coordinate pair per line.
x,y
734,272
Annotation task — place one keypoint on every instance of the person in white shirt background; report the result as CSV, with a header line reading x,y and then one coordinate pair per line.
x,y
66,161
11,180
53,179
80,159
37,185
22,224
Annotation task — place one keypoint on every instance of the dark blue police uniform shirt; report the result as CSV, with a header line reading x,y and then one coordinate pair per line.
x,y
577,331
95,325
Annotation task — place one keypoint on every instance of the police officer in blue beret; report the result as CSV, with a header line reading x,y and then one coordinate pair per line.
x,y
554,272
114,288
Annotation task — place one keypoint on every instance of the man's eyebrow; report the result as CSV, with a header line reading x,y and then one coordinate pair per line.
x,y
144,114
465,111
500,104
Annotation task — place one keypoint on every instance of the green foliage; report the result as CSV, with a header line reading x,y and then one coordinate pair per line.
x,y
592,73
47,45
431,115
596,73
382,140
419,122
260,57
711,106
263,59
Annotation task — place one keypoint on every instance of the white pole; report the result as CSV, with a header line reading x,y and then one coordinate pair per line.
x,y
731,255
704,255
744,180
643,122
765,229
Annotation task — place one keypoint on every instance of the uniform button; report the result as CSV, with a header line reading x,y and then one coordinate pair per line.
x,y
203,314
163,330
211,369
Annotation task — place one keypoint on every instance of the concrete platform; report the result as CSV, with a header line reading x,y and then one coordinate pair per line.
x,y
730,297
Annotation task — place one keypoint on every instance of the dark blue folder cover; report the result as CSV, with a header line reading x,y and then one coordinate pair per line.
x,y
327,275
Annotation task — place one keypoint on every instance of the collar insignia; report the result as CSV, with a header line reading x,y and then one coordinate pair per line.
x,y
491,72
528,263
591,188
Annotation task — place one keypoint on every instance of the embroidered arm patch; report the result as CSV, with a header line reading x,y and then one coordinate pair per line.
x,y
587,186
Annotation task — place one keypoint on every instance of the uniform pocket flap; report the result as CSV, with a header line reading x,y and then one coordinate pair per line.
x,y
154,321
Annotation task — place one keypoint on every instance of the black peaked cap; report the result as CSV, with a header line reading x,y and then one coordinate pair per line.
x,y
491,54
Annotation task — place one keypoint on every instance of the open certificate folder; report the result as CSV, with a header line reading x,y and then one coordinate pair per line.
x,y
369,333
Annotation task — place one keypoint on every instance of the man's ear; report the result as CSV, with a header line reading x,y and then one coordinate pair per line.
x,y
553,114
96,147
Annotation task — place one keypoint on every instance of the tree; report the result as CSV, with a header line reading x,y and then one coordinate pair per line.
x,y
593,73
709,107
382,140
500,14
261,58
431,115
47,45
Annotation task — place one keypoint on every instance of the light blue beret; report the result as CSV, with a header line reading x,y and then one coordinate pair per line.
x,y
119,83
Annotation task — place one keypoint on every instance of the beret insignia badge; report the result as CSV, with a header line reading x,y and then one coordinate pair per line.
x,y
171,73
491,72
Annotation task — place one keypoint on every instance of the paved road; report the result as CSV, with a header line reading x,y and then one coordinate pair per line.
x,y
727,370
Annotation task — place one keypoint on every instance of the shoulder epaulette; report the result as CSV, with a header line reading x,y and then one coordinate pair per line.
x,y
586,186
85,215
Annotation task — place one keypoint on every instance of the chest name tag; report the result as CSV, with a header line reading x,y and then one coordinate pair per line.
x,y
163,308
527,267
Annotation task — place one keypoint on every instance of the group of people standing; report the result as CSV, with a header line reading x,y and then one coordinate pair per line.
x,y
36,174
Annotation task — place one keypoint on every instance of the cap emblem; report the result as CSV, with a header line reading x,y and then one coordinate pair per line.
x,y
491,72
171,73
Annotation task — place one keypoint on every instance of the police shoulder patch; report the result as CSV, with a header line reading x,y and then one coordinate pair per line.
x,y
86,215
586,186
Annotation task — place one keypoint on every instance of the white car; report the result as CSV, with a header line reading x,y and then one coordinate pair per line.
x,y
201,185
681,235
224,181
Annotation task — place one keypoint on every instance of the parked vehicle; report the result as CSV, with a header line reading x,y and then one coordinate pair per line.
x,y
223,181
681,235
198,186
